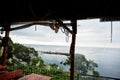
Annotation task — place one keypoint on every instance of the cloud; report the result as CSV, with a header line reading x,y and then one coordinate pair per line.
x,y
89,31
93,31
42,35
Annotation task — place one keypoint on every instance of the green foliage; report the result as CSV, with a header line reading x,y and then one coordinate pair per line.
x,y
26,58
96,73
37,62
55,66
20,49
24,54
56,74
82,65
67,62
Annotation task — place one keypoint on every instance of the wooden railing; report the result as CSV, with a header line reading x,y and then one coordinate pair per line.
x,y
95,77
7,75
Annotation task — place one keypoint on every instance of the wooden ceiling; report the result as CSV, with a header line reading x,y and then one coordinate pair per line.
x,y
36,10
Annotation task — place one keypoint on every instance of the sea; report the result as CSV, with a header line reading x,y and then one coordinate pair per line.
x,y
108,59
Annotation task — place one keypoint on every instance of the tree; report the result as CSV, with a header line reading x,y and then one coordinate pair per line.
x,y
18,53
37,62
25,54
82,65
10,45
55,66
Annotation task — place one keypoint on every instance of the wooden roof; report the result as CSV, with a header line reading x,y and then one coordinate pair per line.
x,y
34,10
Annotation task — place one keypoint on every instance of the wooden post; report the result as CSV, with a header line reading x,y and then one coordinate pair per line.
x,y
72,48
5,44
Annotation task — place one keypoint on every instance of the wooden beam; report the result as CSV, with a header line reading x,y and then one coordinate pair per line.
x,y
29,24
62,24
72,48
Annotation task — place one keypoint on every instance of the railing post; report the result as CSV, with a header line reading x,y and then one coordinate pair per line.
x,y
72,48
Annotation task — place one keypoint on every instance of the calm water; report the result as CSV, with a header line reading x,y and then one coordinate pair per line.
x,y
108,59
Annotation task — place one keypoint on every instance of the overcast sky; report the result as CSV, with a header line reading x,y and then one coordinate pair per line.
x,y
91,32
